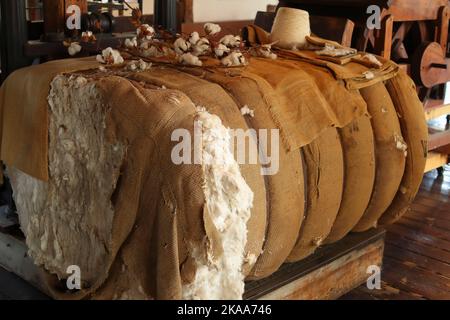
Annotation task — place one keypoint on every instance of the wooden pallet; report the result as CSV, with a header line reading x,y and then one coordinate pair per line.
x,y
333,271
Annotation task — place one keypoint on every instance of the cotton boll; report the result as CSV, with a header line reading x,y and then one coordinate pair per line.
x,y
74,48
234,59
144,65
87,36
220,50
212,28
145,45
131,43
110,56
231,41
145,31
265,51
100,58
201,47
140,65
190,59
194,38
132,65
181,46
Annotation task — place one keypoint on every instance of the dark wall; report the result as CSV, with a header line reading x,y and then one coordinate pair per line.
x,y
13,36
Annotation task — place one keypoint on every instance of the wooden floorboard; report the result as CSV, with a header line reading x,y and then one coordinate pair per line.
x,y
417,251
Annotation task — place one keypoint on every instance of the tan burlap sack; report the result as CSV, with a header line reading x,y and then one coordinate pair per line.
x,y
390,160
415,132
23,100
285,187
325,180
359,162
160,240
218,102
304,119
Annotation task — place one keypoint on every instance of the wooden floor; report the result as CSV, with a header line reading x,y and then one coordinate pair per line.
x,y
417,253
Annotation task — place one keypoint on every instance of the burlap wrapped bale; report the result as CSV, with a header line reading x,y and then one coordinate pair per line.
x,y
415,133
211,96
324,163
390,160
285,185
162,238
359,161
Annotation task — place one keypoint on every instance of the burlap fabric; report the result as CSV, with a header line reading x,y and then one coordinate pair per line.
x,y
390,161
159,207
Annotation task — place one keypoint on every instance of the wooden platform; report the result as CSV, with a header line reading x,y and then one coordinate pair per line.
x,y
416,259
333,271
417,254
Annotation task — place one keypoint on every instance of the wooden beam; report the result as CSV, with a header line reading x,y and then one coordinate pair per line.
x,y
442,28
328,274
383,43
438,140
436,111
435,160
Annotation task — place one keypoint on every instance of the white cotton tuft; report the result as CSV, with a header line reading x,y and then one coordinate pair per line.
x,y
110,56
234,59
190,59
231,41
229,201
201,47
246,111
131,43
74,48
264,51
194,38
212,28
181,46
369,75
146,31
138,65
221,49
371,58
